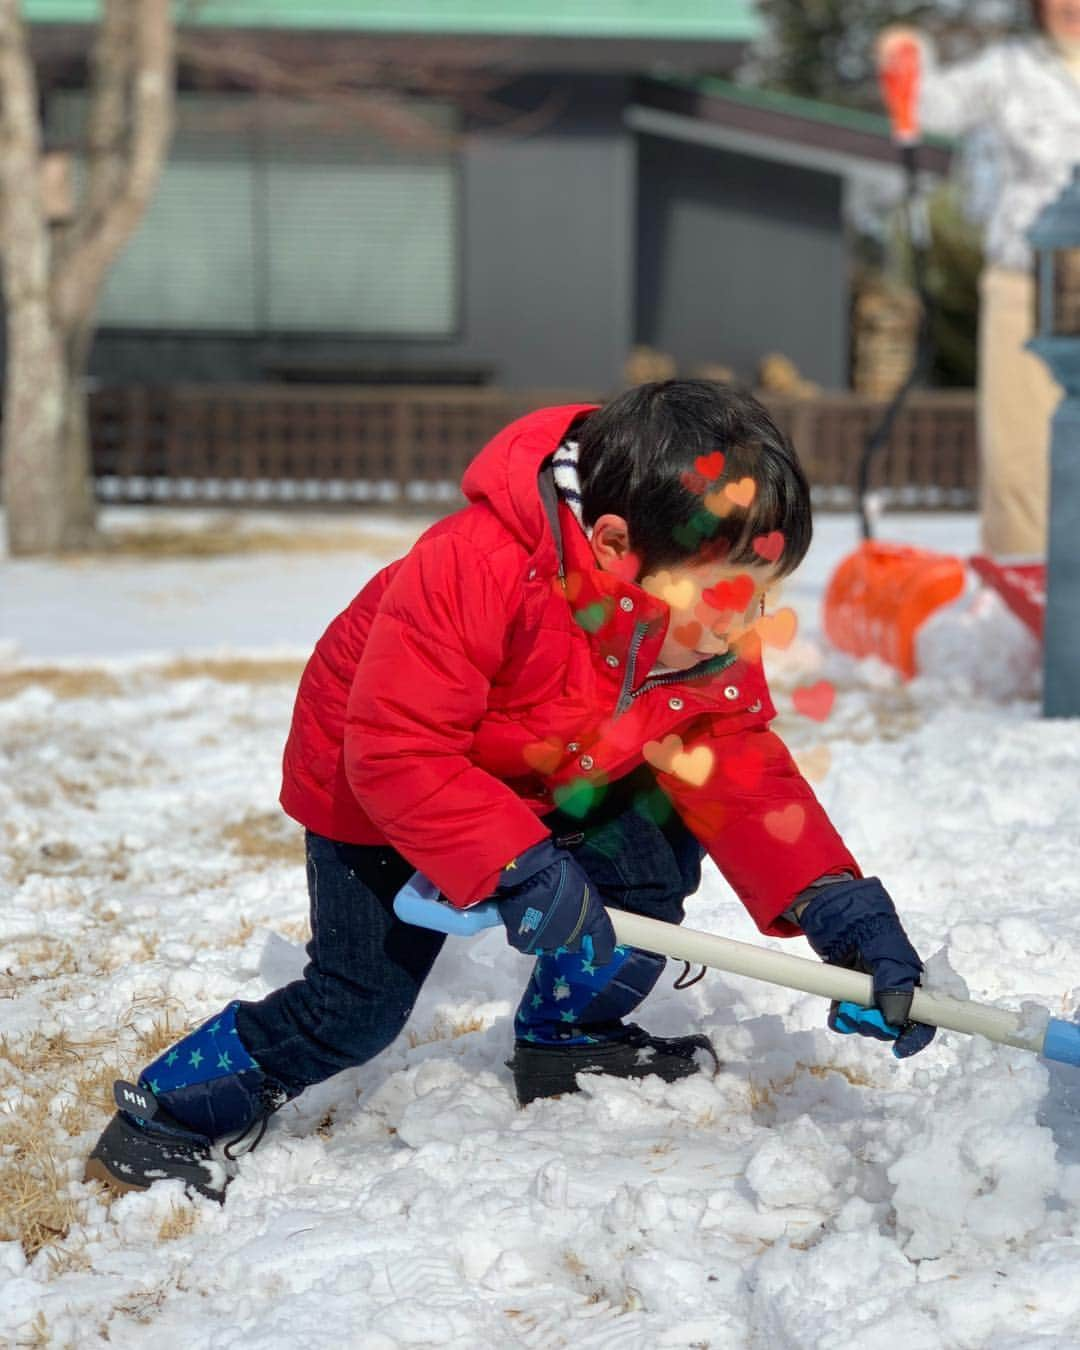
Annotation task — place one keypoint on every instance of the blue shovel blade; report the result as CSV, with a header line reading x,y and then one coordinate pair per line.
x,y
418,903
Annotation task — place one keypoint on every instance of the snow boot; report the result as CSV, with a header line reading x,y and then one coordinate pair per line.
x,y
133,1153
203,1088
548,1070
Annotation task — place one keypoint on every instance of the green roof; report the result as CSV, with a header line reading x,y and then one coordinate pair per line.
x,y
710,20
814,110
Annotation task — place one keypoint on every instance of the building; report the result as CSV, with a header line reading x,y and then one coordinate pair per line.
x,y
573,180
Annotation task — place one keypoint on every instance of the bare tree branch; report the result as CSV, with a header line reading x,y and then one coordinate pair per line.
x,y
79,277
107,117
380,93
24,231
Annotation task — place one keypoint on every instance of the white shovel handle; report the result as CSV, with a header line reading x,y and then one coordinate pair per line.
x,y
814,977
1034,1030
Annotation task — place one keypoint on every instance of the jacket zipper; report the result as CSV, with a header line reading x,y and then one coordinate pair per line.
x,y
706,668
627,696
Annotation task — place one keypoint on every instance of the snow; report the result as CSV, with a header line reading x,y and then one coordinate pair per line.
x,y
816,1193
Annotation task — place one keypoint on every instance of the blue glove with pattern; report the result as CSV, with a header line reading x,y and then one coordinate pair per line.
x,y
548,904
855,924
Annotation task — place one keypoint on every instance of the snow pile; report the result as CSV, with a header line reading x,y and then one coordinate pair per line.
x,y
816,1192
978,646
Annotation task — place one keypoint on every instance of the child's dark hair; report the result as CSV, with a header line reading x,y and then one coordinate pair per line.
x,y
637,459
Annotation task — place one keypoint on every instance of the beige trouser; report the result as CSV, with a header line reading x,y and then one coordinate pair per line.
x,y
1017,397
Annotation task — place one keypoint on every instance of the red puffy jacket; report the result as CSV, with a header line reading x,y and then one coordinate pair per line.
x,y
495,668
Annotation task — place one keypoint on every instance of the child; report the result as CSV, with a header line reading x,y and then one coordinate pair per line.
x,y
555,698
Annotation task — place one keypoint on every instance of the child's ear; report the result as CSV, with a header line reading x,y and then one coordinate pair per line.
x,y
610,543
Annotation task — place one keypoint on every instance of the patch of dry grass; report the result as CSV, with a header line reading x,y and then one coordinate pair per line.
x,y
72,682
60,681
763,1095
446,1029
265,838
179,1221
34,1208
225,538
297,930
233,669
66,1092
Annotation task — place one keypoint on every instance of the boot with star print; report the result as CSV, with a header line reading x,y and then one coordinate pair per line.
x,y
204,1088
621,1051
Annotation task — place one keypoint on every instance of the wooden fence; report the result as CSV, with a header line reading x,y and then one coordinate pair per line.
x,y
284,444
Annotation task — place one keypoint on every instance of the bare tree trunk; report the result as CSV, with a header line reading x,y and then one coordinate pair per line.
x,y
77,469
34,393
51,284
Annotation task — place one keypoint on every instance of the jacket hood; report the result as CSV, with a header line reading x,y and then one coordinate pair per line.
x,y
504,474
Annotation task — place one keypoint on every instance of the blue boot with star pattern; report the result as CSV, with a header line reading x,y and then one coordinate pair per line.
x,y
206,1086
570,1022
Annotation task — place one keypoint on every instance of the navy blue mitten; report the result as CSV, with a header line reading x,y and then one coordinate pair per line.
x,y
548,904
855,924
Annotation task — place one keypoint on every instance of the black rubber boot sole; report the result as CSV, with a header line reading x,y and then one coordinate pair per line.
x,y
127,1158
551,1070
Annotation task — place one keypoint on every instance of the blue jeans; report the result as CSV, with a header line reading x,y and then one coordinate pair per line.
x,y
366,968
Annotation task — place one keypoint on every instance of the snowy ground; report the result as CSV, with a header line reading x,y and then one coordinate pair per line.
x,y
815,1194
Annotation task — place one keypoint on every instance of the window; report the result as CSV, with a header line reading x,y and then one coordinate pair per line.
x,y
284,217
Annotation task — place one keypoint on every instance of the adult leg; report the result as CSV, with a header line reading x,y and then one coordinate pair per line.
x,y
1016,399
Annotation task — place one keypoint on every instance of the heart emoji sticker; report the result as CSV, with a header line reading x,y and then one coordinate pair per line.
x,y
710,466
591,617
688,635
570,585
731,596
769,546
777,630
814,764
718,503
543,756
815,700
661,753
786,825
678,593
742,492
694,766
694,482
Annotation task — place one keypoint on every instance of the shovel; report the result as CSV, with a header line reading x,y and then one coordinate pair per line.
x,y
1034,1029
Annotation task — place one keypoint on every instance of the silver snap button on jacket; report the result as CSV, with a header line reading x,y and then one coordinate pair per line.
x,y
612,661
574,747
731,691
755,706
586,762
626,604
675,704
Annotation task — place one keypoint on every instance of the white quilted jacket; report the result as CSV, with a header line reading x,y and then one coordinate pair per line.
x,y
1029,95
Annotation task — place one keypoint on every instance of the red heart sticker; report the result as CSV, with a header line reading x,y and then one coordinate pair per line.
x,y
688,635
815,700
694,482
710,466
731,596
543,756
786,825
769,546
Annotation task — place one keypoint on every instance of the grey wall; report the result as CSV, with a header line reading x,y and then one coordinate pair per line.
x,y
546,285
738,258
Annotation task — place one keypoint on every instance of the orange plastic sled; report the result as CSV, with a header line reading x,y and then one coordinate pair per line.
x,y
880,595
